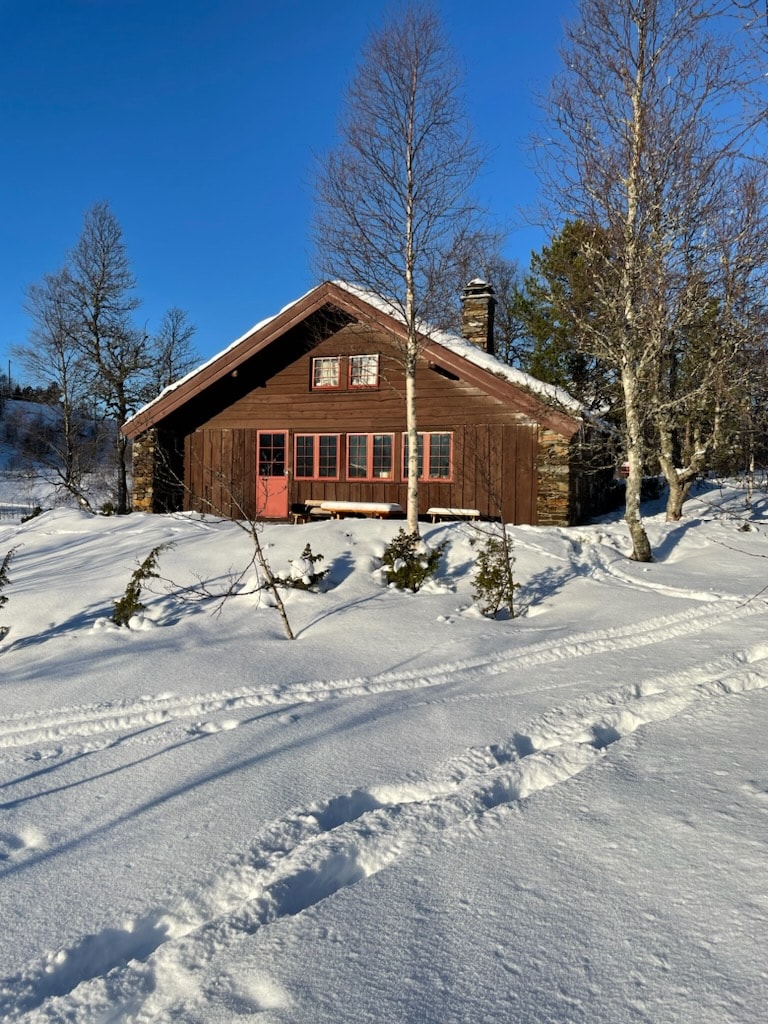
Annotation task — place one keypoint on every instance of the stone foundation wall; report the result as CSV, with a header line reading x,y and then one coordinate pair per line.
x,y
553,502
144,471
574,477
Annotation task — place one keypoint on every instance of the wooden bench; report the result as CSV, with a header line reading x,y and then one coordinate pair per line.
x,y
303,511
371,509
453,513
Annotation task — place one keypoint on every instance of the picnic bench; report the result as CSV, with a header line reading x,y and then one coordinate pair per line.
x,y
312,508
452,513
316,508
303,511
369,509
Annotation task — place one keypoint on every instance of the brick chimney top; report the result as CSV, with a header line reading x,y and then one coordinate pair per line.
x,y
478,304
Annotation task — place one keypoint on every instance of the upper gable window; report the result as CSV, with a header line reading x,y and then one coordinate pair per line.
x,y
326,372
363,371
353,372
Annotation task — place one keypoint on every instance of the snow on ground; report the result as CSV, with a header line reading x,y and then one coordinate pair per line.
x,y
408,814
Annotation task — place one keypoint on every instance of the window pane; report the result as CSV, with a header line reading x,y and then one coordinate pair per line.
x,y
439,456
382,455
325,372
357,456
305,455
329,457
271,454
419,456
363,371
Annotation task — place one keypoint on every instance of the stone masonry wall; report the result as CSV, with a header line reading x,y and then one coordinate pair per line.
x,y
144,470
554,490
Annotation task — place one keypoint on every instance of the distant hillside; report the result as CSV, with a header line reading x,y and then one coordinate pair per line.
x,y
28,466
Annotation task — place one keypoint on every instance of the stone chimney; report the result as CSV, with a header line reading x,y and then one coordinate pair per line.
x,y
477,309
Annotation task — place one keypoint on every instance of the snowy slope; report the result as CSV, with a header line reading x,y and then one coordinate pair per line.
x,y
408,814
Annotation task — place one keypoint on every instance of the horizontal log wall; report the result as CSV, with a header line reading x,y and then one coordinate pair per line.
x,y
495,449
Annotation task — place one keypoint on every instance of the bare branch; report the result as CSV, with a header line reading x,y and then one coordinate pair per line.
x,y
653,140
392,199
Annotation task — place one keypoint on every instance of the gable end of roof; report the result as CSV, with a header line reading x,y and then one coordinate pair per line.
x,y
459,357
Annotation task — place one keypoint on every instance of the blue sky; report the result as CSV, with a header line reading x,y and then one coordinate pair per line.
x,y
197,120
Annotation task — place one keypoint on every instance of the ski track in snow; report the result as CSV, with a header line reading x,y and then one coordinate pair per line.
x,y
598,558
154,967
91,720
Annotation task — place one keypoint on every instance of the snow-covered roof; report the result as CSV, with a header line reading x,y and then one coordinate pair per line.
x,y
466,349
548,393
209,362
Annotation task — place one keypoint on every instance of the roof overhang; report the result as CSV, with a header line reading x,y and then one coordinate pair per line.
x,y
334,296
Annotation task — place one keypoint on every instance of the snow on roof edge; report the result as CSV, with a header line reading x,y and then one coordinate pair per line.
x,y
551,394
203,366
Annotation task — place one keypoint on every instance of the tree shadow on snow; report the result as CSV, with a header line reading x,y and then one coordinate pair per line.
x,y
340,569
204,778
337,610
544,584
57,765
672,538
82,620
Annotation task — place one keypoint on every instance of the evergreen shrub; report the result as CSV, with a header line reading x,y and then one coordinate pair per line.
x,y
130,603
304,574
4,576
408,561
493,584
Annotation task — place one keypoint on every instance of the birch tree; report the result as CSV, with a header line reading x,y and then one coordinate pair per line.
x,y
72,441
719,322
392,197
85,340
103,300
648,141
173,354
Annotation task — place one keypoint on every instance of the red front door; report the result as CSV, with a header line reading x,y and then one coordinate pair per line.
x,y
272,475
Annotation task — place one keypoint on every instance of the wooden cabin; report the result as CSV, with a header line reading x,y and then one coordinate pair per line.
x,y
308,407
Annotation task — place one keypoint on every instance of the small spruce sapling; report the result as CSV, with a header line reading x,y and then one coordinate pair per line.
x,y
303,574
408,562
493,583
130,603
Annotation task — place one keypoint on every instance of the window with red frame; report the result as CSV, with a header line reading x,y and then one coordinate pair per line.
x,y
316,457
326,372
364,371
435,456
370,456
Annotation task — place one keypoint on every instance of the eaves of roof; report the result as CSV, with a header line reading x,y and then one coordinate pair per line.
x,y
352,302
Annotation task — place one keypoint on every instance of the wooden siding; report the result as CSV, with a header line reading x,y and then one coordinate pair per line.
x,y
220,472
494,448
317,315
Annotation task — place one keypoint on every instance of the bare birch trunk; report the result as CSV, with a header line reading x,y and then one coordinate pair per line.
x,y
392,198
641,547
652,138
632,361
412,506
412,351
